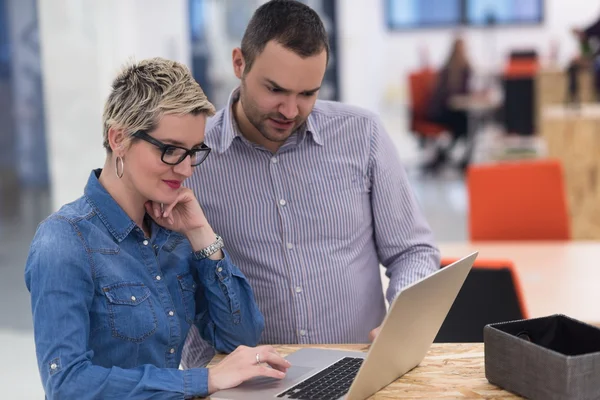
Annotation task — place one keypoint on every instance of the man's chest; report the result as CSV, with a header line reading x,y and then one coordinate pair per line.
x,y
269,200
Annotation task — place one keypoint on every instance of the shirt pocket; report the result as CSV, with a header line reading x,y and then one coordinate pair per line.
x,y
131,313
333,205
187,289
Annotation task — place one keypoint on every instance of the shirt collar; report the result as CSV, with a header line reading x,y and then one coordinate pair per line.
x,y
118,223
230,130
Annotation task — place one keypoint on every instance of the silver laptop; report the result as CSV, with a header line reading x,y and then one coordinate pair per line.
x,y
408,331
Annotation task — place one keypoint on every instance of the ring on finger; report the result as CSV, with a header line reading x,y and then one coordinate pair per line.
x,y
257,358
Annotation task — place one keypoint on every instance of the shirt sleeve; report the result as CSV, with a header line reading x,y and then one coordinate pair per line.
x,y
226,312
404,240
58,275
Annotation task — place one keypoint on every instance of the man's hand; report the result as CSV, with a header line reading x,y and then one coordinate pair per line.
x,y
373,334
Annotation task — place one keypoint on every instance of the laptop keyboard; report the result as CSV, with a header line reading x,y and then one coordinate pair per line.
x,y
331,383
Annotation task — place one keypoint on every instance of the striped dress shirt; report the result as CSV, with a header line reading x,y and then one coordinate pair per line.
x,y
310,224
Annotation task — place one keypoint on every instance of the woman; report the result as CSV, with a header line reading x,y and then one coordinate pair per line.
x,y
452,82
118,276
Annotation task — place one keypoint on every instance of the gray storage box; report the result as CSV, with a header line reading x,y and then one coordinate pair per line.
x,y
548,358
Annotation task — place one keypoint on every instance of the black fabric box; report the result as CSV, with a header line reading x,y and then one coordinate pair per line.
x,y
553,357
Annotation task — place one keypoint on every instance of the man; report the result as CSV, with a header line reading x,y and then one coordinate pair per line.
x,y
589,39
310,194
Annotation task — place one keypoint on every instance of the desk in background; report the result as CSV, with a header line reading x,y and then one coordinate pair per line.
x,y
450,370
551,88
572,135
556,277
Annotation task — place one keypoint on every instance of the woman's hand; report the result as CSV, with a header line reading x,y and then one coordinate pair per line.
x,y
185,216
241,365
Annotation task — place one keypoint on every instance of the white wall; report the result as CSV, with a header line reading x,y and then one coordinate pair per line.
x,y
362,45
85,41
376,61
83,45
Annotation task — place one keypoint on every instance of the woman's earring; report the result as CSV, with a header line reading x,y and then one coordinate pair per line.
x,y
118,161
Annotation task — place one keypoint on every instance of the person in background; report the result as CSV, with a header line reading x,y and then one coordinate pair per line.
x,y
118,277
589,43
452,83
310,194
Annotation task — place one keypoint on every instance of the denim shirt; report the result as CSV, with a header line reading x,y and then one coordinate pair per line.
x,y
112,308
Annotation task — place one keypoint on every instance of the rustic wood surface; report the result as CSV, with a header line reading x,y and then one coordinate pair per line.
x,y
551,89
573,136
449,371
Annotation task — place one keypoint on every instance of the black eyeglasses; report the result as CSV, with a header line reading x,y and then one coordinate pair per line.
x,y
172,154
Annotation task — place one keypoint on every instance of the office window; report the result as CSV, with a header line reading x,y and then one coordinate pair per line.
x,y
415,14
484,12
406,14
196,14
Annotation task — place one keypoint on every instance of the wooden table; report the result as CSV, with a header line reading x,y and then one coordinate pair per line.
x,y
551,88
573,137
450,370
556,277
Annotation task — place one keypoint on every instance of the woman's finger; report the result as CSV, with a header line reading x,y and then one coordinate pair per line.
x,y
266,348
265,371
156,207
272,350
151,211
149,208
278,368
275,361
169,208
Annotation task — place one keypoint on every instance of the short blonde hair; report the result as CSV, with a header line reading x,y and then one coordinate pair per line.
x,y
145,91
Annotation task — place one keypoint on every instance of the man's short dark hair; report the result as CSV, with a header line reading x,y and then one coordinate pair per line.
x,y
292,24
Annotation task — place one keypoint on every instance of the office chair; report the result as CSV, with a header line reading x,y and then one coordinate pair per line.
x,y
518,82
491,293
421,86
523,200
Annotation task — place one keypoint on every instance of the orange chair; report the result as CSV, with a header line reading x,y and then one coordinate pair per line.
x,y
521,63
421,86
518,81
491,293
517,201
521,69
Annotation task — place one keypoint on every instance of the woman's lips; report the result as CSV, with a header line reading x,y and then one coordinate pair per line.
x,y
173,184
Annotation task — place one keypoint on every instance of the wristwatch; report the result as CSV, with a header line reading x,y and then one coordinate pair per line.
x,y
210,249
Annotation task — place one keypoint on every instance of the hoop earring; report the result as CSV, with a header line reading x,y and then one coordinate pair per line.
x,y
118,161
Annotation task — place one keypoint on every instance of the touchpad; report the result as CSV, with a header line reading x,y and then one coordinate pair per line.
x,y
293,373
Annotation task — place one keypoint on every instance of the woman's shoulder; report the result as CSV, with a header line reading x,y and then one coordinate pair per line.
x,y
59,250
60,244
62,226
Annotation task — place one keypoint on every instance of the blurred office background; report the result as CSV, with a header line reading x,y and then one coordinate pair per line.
x,y
58,57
